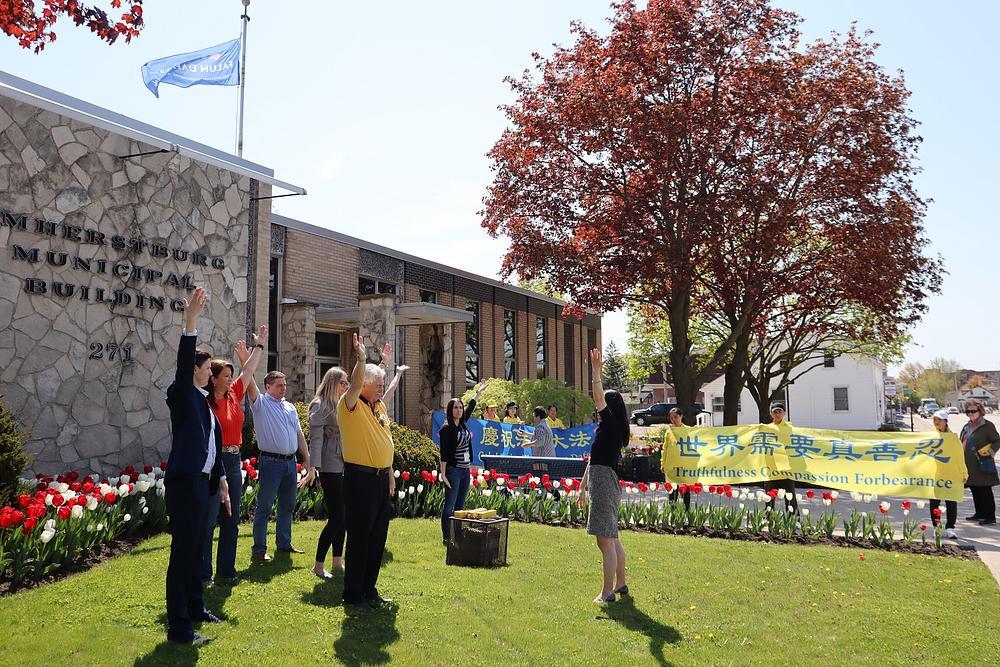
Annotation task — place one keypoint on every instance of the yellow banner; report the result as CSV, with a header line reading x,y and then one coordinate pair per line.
x,y
914,465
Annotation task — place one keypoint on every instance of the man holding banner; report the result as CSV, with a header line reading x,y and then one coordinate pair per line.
x,y
787,485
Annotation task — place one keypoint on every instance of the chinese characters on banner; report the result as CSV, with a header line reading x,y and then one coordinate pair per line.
x,y
496,438
918,465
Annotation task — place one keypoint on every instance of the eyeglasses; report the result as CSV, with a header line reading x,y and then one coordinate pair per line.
x,y
345,383
972,411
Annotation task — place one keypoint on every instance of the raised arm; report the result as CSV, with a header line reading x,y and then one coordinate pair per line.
x,y
391,389
596,365
357,375
184,373
251,360
249,384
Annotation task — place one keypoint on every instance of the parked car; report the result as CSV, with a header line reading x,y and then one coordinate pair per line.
x,y
928,407
952,410
657,413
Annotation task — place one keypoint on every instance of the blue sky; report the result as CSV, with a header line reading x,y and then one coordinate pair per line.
x,y
384,112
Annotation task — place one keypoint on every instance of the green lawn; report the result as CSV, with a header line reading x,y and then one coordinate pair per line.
x,y
696,602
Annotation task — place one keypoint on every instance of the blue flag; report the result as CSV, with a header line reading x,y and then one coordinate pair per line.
x,y
496,438
214,66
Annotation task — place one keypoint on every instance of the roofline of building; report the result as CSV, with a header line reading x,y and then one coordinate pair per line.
x,y
91,114
298,225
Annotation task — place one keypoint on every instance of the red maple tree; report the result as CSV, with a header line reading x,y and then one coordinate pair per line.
x,y
701,163
33,29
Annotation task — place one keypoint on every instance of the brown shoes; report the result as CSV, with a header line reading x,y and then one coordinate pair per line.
x,y
291,550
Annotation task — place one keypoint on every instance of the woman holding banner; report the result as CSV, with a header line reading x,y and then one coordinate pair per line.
x,y
510,414
951,507
601,482
456,456
676,417
981,441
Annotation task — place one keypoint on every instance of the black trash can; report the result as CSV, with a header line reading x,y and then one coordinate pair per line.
x,y
640,469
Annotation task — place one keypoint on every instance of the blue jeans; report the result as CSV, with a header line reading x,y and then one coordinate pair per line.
x,y
454,498
276,479
229,526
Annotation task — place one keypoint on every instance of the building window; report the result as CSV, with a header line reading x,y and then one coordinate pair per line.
x,y
472,345
428,296
327,353
368,285
840,403
541,367
273,299
829,359
568,350
719,405
510,345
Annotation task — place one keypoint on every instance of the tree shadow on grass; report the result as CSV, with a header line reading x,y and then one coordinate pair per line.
x,y
625,613
169,653
365,636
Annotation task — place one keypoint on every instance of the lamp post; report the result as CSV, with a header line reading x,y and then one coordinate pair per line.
x,y
243,75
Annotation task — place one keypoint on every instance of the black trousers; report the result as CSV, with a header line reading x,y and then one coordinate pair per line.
x,y
951,512
984,502
789,487
187,506
687,498
368,506
333,531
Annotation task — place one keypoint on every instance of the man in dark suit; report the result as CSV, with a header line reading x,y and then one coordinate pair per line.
x,y
194,472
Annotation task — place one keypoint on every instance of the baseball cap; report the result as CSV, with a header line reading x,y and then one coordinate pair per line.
x,y
941,414
777,406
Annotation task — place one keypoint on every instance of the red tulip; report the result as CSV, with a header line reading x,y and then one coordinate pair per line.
x,y
23,500
683,488
475,481
711,489
252,473
923,526
405,475
58,500
936,511
110,498
163,466
30,524
621,483
510,486
810,494
533,485
63,513
906,504
147,469
667,486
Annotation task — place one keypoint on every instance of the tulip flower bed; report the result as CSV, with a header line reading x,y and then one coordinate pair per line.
x,y
694,601
59,520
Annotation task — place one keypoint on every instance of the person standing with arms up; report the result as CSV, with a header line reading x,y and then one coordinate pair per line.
x,y
369,483
600,482
326,452
194,472
456,456
224,397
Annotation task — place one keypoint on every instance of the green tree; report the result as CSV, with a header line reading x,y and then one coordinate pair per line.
x,y
615,375
540,285
12,455
649,342
574,405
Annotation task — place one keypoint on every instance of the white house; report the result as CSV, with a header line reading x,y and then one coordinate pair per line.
x,y
846,392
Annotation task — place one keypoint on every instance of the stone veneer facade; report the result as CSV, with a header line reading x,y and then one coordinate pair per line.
x,y
97,252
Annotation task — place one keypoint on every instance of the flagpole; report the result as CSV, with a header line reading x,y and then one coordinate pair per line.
x,y
243,76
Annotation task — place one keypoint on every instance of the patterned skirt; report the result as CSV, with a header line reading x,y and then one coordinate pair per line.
x,y
605,496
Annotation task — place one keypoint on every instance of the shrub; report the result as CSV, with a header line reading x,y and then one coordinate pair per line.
x,y
575,407
12,455
249,448
414,450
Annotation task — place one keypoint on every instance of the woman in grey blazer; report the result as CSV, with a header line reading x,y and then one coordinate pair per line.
x,y
980,442
325,451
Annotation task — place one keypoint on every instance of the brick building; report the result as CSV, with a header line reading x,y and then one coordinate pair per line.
x,y
451,327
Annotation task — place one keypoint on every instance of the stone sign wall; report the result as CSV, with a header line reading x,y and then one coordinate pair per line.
x,y
97,250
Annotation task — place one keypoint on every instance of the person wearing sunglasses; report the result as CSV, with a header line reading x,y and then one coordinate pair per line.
x,y
980,442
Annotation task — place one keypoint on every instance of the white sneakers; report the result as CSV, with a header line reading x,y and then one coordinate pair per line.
x,y
951,534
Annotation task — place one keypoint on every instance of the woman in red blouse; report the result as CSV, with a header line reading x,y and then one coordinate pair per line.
x,y
224,396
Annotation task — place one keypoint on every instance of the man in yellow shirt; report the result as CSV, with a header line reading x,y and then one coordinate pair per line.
x,y
369,481
553,419
785,431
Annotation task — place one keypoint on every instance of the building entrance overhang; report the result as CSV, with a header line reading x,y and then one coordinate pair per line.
x,y
406,314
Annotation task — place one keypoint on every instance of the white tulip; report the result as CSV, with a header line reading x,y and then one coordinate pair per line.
x,y
100,526
884,506
487,493
555,484
743,506
805,511
48,500
46,536
127,518
396,474
401,494
142,501
145,510
411,490
49,525
143,486
906,512
90,528
834,494
91,504
920,504
420,488
76,512
124,479
123,490
62,487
